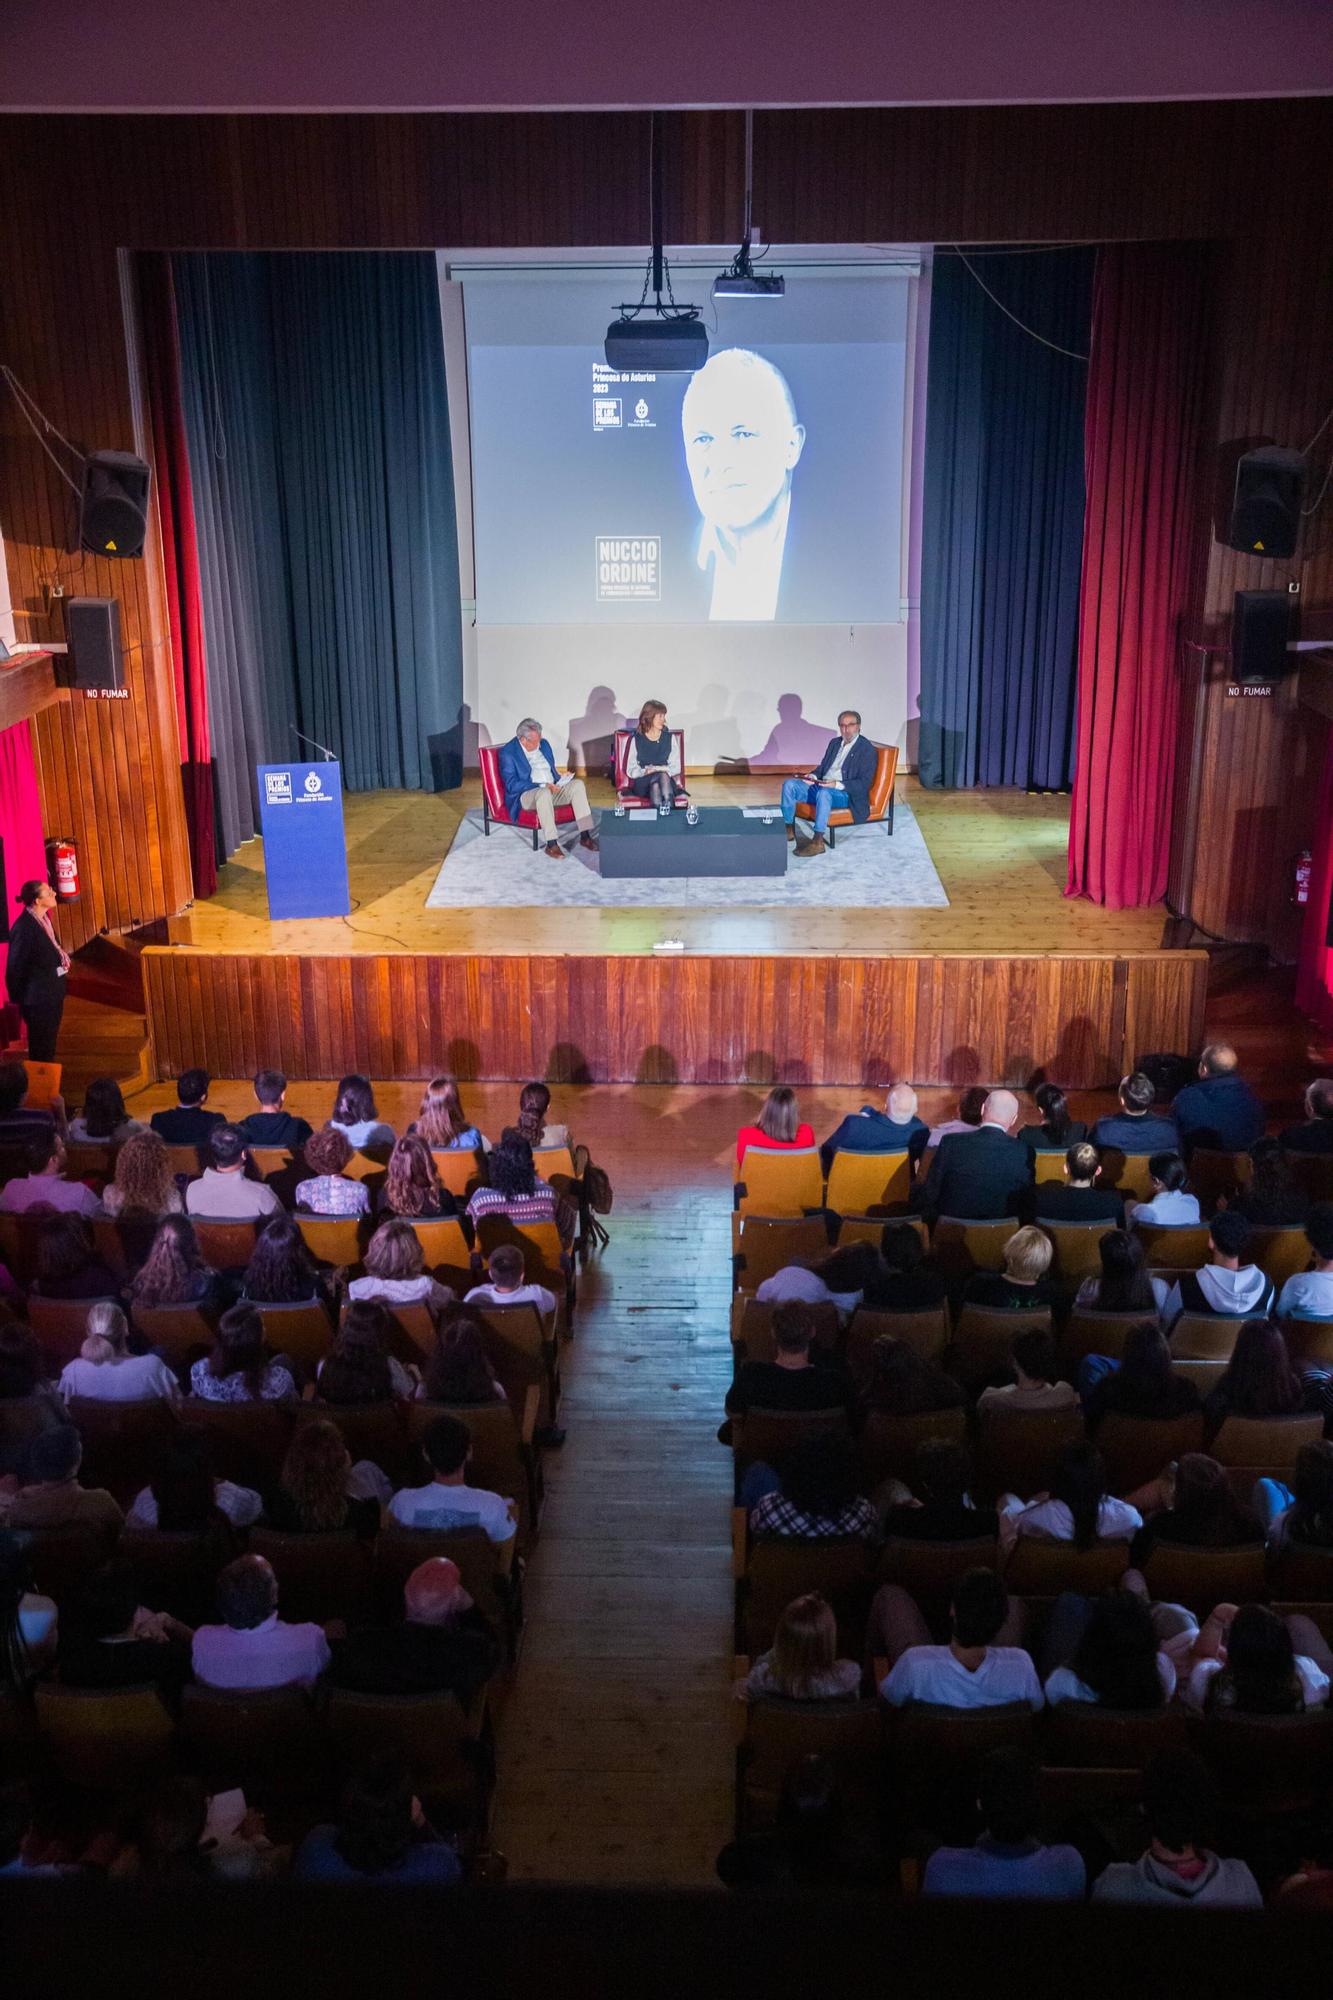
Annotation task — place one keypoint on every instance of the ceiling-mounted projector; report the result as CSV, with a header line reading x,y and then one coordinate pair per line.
x,y
749,285
652,346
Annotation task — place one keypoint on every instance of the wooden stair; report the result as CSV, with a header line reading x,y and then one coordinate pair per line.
x,y
100,1040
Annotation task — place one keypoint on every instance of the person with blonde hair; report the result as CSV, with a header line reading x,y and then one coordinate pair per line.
x,y
442,1122
396,1269
652,763
412,1185
778,1127
329,1189
143,1183
802,1664
1023,1284
320,1490
106,1371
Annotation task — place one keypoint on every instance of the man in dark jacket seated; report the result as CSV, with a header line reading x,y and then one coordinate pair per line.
x,y
1220,1110
1137,1127
1077,1198
443,1646
798,1379
1316,1134
841,784
982,1175
895,1129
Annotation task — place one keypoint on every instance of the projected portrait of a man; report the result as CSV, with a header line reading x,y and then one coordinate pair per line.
x,y
742,444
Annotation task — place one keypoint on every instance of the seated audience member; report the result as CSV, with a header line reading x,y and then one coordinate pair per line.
x,y
1107,1652
971,1106
1022,1286
981,1175
532,1124
179,1841
1220,1110
1309,1295
1057,1132
1272,1198
443,1645
459,1370
906,1281
1301,1512
187,1123
1125,1285
1008,1863
51,1496
44,1185
901,1382
802,1664
355,1116
143,1183
68,1266
813,1499
1077,1509
106,1371
1316,1134
506,1283
174,1273
104,1120
778,1127
809,1843
1257,1669
382,1836
1036,1384
239,1369
972,1671
1258,1381
412,1185
446,1502
359,1368
253,1647
222,1191
273,1124
837,1280
1144,1384
942,1510
895,1129
1078,1199
516,1191
29,1404
321,1491
184,1498
1168,1201
109,1640
281,1271
16,1832
29,1621
799,1377
1229,1283
329,1190
1137,1127
442,1122
1200,1512
1176,1870
20,1122
396,1269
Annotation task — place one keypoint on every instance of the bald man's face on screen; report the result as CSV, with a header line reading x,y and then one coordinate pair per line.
x,y
741,439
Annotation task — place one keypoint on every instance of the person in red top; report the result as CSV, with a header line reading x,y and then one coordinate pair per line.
x,y
779,1127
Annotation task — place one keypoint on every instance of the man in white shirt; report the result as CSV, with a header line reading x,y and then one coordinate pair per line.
x,y
505,1270
254,1648
44,1185
533,784
1309,1295
448,1503
841,783
970,1672
222,1190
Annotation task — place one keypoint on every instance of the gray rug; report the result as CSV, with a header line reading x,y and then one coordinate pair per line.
x,y
866,871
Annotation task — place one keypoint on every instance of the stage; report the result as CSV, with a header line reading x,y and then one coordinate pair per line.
x,y
1009,978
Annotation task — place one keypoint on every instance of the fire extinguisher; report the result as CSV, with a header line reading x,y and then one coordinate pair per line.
x,y
1304,869
62,862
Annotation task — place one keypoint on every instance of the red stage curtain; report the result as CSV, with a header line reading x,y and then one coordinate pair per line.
x,y
20,820
180,559
1141,541
1314,969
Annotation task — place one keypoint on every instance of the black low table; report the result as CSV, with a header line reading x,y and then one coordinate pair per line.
x,y
724,842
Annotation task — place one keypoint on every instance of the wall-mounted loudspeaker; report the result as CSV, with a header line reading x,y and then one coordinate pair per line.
x,y
1266,507
113,506
92,631
1261,626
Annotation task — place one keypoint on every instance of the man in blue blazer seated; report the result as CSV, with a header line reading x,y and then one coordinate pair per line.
x,y
895,1129
532,783
842,782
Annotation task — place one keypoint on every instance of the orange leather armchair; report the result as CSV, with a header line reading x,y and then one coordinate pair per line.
x,y
881,796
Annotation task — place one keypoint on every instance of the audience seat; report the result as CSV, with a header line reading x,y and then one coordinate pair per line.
x,y
890,1443
928,1571
1301,1573
933,1754
1127,1173
1309,1342
768,1437
773,1181
446,1252
1043,1569
89,1160
1090,1332
1216,1177
773,1735
1077,1248
962,1245
226,1243
461,1170
1205,1375
1205,1336
178,1571
122,1442
339,1240
983,1337
1265,1446
18,1244
524,1352
247,1442
1086,1734
1200,1579
762,1245
320,1576
64,1558
1280,1253
109,1234
927,1331
1017,1450
859,1183
1267,1766
1048,1166
1173,1246
1314,1173
377,1431
180,1333
1137,1449
270,1162
411,1336
185,1162
105,1739
60,1325
446,1748
754,1337
266,1740
870,1228
771,1573
303,1332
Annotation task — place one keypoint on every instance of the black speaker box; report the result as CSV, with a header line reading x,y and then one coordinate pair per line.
x,y
92,630
1261,625
1266,506
113,506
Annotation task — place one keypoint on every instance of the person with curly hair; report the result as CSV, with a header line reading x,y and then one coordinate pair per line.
x,y
321,1491
412,1186
143,1183
329,1189
174,1272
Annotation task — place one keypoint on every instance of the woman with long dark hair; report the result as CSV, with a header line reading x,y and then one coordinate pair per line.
x,y
1057,1130
104,1120
281,1271
534,1101
1274,1198
1125,1285
68,1266
321,1491
1115,1660
355,1116
36,969
412,1185
1258,1669
183,1497
459,1370
1258,1381
1078,1508
239,1370
1144,1384
359,1368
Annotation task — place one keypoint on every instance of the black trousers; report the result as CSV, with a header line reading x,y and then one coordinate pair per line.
x,y
42,1021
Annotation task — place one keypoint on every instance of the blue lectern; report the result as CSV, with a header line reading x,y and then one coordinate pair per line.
x,y
305,848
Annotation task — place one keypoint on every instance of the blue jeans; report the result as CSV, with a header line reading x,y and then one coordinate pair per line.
x,y
1269,1499
826,799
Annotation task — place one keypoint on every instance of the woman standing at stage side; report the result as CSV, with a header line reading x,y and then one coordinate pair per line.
x,y
35,973
652,767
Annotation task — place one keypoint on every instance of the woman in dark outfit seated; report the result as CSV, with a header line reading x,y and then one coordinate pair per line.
x,y
652,768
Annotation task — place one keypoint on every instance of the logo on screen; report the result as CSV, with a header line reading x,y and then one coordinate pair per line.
x,y
641,421
312,783
629,569
278,787
606,413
